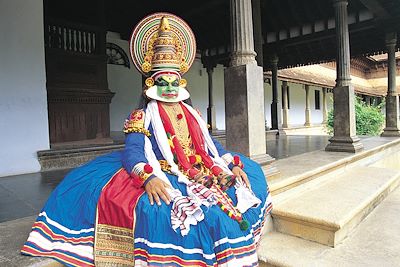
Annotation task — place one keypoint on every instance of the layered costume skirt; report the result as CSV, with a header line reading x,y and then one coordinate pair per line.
x,y
98,216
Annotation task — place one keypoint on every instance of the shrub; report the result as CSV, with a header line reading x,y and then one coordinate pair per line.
x,y
369,119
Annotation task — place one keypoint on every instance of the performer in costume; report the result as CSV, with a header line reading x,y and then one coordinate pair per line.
x,y
174,196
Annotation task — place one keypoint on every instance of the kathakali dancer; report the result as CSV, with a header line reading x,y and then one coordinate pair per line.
x,y
174,196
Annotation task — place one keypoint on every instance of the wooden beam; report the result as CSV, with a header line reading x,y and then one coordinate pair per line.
x,y
376,8
362,26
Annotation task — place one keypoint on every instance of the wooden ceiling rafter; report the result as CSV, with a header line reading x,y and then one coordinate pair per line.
x,y
210,21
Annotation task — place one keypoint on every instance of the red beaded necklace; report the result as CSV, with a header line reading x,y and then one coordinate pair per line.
x,y
226,205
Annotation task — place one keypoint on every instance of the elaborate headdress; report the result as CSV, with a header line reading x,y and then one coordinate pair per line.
x,y
162,43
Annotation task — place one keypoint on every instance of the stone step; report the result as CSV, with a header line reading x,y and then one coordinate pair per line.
x,y
374,242
281,250
73,154
63,158
329,211
299,173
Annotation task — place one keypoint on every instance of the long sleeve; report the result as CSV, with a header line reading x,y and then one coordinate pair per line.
x,y
134,151
133,156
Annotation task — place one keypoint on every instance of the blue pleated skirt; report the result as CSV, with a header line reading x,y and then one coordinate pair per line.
x,y
64,229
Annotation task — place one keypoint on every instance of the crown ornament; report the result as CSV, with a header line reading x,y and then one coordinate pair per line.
x,y
162,41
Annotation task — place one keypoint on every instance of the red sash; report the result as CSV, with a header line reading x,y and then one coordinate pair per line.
x,y
116,221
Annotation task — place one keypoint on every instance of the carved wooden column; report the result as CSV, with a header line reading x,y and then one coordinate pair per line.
x,y
344,138
258,38
211,116
244,90
209,64
274,83
392,98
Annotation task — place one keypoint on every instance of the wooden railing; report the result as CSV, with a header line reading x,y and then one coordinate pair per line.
x,y
73,37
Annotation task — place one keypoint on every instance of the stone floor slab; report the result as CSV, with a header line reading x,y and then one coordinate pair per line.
x,y
13,235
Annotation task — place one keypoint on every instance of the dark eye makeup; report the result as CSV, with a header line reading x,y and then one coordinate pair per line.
x,y
161,82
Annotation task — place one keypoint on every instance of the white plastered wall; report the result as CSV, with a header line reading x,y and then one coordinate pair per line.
x,y
297,101
23,101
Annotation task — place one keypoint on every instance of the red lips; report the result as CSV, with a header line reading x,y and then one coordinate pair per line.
x,y
169,95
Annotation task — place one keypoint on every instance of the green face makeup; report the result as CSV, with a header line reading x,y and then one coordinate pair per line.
x,y
167,86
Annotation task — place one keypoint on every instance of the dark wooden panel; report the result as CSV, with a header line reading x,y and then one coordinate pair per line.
x,y
78,116
77,88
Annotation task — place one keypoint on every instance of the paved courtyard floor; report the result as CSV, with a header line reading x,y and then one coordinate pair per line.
x,y
24,195
376,242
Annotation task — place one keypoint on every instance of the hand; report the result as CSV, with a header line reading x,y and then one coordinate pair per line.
x,y
156,189
241,175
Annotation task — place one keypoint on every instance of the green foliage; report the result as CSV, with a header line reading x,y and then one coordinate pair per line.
x,y
369,119
329,123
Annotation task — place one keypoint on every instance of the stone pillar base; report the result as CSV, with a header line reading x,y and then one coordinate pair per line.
x,y
263,159
345,138
344,144
391,132
244,110
392,120
282,132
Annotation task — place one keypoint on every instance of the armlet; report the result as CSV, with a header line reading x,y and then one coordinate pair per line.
x,y
135,123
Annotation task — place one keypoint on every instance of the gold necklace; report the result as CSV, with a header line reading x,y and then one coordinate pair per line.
x,y
179,123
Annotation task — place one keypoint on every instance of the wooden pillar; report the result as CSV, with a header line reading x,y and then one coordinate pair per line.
x,y
244,88
257,29
274,83
211,115
344,138
285,108
392,98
